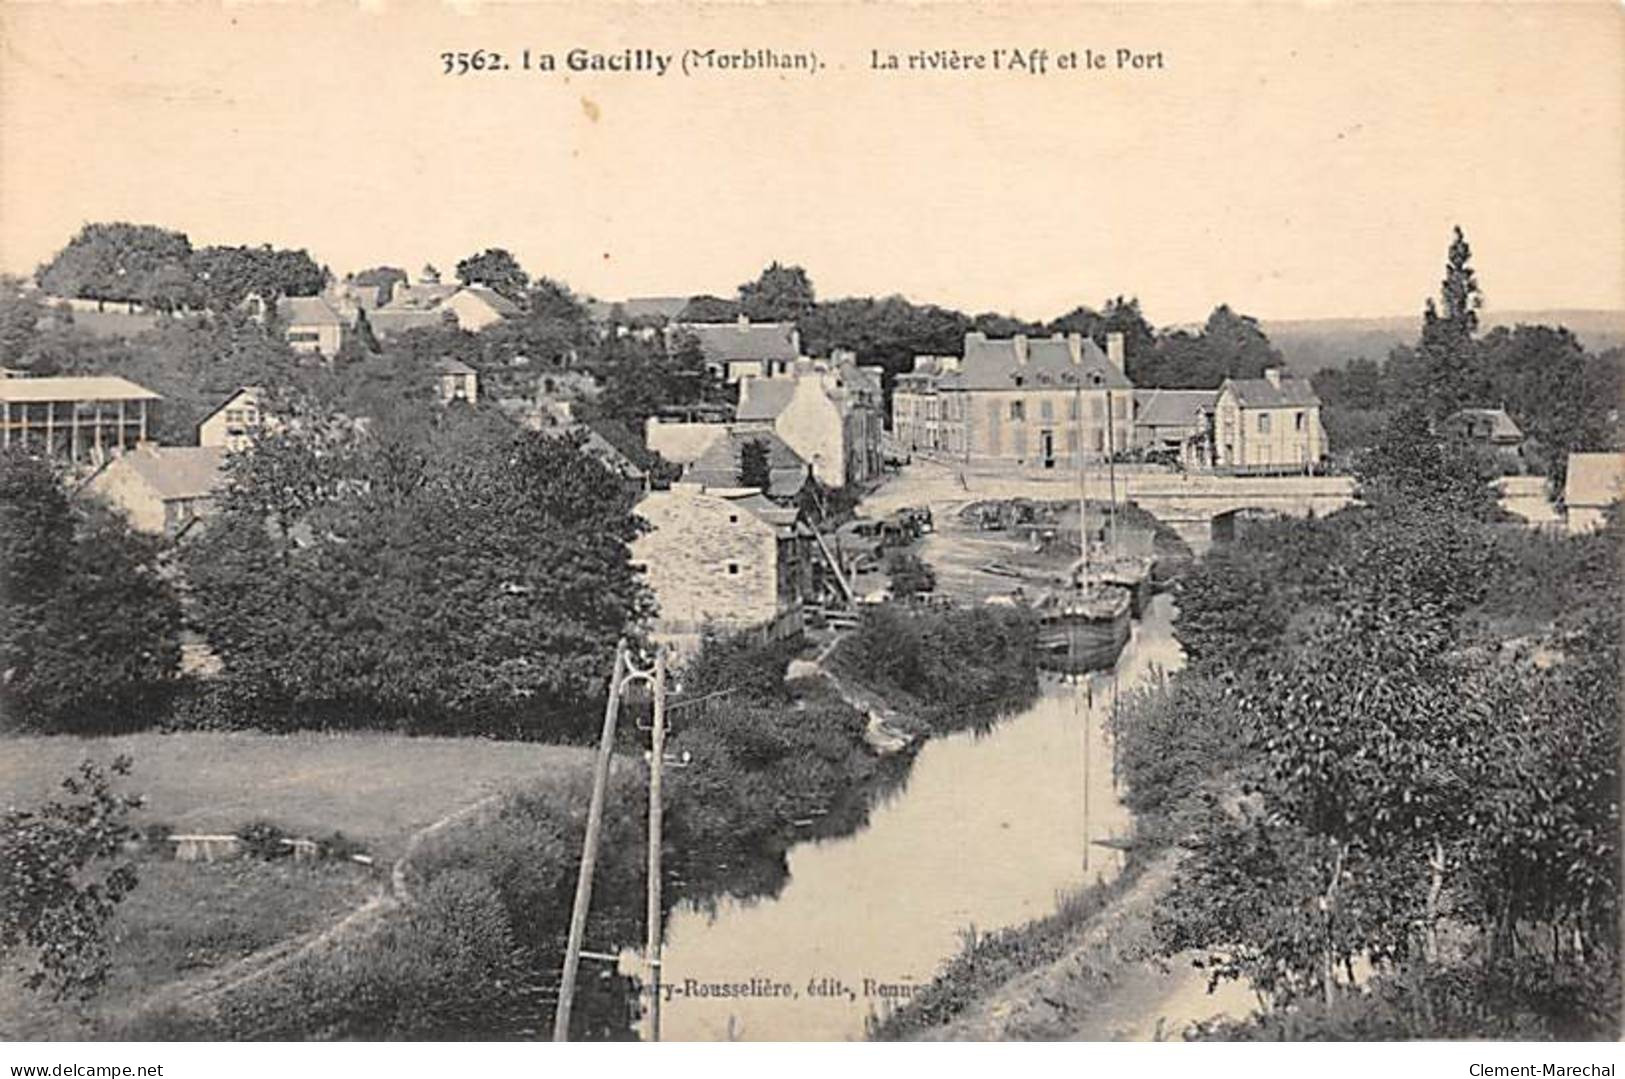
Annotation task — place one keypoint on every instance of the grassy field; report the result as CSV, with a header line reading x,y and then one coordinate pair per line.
x,y
375,788
183,920
188,918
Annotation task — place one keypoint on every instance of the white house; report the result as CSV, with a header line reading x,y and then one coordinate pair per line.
x,y
1595,482
1267,424
236,421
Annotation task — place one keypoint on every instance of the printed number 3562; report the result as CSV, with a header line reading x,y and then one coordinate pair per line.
x,y
461,63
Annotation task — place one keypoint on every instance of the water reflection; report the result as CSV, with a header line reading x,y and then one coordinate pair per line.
x,y
991,826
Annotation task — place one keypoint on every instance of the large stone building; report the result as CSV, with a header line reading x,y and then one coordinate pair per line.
x,y
1269,424
1026,403
724,561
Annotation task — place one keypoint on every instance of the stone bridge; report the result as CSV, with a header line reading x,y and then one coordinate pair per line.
x,y
1197,506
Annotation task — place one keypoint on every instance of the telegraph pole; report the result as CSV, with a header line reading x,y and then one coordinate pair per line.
x,y
589,851
651,948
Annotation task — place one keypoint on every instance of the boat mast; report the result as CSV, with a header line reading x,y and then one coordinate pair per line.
x,y
1083,496
1111,472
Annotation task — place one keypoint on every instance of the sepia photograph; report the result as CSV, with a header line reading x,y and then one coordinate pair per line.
x,y
810,522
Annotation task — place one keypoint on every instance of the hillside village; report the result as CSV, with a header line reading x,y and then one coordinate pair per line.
x,y
418,520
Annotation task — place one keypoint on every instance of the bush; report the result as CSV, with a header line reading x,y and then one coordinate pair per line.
x,y
263,840
952,668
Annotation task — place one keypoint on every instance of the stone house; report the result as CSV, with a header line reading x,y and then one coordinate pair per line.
x,y
741,349
720,464
1269,424
313,325
722,560
456,381
1490,427
828,411
477,307
916,406
163,490
1175,421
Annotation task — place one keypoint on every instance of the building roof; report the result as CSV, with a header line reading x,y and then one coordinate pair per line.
x,y
176,472
1056,361
764,398
1171,408
449,365
390,320
624,441
1262,393
422,295
74,388
634,308
719,465
1595,479
1491,423
493,299
726,342
254,392
308,311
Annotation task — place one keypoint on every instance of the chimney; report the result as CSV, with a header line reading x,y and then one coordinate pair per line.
x,y
1019,343
1114,352
1272,375
1074,347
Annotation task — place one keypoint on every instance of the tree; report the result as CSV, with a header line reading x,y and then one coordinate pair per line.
x,y
781,294
1411,469
1447,349
709,309
442,571
61,880
116,261
226,275
753,465
554,300
88,626
496,269
1230,345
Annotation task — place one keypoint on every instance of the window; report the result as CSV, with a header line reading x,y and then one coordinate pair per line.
x,y
1072,408
1046,409
1297,421
1119,404
303,336
733,569
234,415
1263,423
733,518
1018,411
1100,440
1096,409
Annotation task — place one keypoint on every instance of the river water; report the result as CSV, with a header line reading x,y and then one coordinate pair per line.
x,y
988,831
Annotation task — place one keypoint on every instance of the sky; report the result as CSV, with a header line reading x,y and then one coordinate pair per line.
x,y
1292,161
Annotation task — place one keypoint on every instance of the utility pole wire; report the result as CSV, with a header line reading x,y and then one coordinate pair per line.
x,y
651,951
589,850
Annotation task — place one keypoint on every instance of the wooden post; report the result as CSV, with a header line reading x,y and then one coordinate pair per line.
x,y
651,949
589,852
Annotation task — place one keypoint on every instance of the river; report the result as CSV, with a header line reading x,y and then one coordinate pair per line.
x,y
988,830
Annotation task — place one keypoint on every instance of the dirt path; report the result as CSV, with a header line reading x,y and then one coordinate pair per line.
x,y
1109,986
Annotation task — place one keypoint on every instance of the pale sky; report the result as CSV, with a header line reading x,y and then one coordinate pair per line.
x,y
1291,161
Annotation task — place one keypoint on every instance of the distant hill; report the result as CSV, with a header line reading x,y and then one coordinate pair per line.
x,y
1310,344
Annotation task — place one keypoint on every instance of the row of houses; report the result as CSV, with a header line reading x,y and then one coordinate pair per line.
x,y
1059,402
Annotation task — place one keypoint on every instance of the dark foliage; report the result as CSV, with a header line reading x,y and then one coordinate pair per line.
x,y
61,879
88,624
